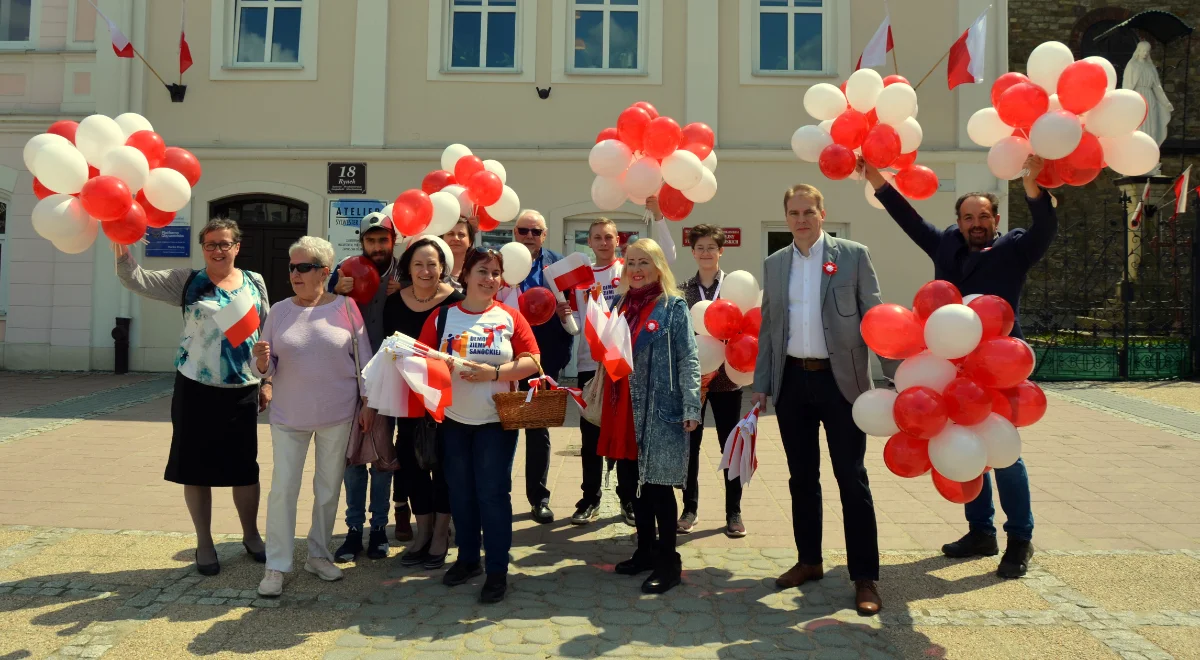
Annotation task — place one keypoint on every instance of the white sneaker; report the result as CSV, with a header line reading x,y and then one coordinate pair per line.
x,y
271,585
323,568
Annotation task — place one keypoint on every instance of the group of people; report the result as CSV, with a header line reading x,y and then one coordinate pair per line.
x,y
306,357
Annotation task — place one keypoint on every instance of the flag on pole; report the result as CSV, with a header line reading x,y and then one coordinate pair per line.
x,y
1181,192
185,52
238,320
967,54
875,54
618,348
594,320
120,43
570,272
429,380
1140,211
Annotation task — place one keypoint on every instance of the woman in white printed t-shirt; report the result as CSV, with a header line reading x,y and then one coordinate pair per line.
x,y
489,336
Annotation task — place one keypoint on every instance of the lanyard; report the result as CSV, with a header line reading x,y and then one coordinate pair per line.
x,y
716,292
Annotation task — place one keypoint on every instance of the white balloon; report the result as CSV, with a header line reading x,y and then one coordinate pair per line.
x,y
863,89
517,263
507,207
451,154
682,169
968,298
610,158
59,216
703,191
1119,113
826,125
985,128
953,331
132,122
636,201
445,213
872,412
127,164
387,210
711,352
403,246
60,167
1108,69
96,136
1055,104
957,453
35,144
1046,64
1000,439
1055,134
1007,157
910,135
741,289
739,378
466,205
80,241
896,103
698,320
824,101
809,141
1131,155
167,190
926,370
710,161
496,168
644,178
607,193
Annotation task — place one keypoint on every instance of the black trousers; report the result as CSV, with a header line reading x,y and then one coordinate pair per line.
x,y
537,458
727,412
806,400
427,490
657,513
593,463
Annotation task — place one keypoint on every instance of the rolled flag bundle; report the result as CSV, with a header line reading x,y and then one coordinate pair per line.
x,y
406,378
571,272
239,319
740,456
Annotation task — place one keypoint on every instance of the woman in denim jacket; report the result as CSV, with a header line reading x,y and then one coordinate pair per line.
x,y
649,414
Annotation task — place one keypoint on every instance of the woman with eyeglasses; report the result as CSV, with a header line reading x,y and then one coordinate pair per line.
x,y
217,398
491,346
406,311
308,347
460,238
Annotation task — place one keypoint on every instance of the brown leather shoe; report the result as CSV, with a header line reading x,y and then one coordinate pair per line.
x,y
799,574
866,596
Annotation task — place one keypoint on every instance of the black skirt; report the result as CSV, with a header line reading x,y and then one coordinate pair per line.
x,y
214,438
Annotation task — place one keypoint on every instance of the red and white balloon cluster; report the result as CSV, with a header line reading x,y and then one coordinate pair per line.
x,y
727,328
872,116
961,391
103,173
465,186
649,154
1068,112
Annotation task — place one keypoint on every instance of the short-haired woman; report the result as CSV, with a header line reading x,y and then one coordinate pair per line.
x,y
460,238
308,346
217,398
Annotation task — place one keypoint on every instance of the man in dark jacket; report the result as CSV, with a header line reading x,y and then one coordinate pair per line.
x,y
976,258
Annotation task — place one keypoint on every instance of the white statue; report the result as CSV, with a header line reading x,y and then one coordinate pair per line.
x,y
1142,77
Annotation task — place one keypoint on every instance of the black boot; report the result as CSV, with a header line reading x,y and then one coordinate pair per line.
x,y
1016,558
973,544
668,573
351,547
494,588
640,562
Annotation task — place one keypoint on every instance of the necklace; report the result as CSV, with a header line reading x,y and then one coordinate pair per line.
x,y
424,300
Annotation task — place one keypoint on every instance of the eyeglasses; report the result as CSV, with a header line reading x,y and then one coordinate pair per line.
x,y
304,268
526,231
223,246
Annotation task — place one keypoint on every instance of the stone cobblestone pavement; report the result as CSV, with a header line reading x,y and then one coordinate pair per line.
x,y
96,559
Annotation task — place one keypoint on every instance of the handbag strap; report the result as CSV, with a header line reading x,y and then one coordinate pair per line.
x,y
353,340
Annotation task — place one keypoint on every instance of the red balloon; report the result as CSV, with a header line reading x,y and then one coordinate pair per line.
x,y
999,362
485,188
996,314
40,191
1022,104
436,180
661,138
893,331
631,126
1004,82
700,134
64,127
872,118
644,105
537,305
723,319
609,133
920,412
850,128
106,198
1088,155
959,492
893,79
673,204
933,295
93,172
741,352
752,322
1001,406
917,182
1026,402
182,161
415,217
1074,176
154,218
486,222
967,402
882,146
127,229
366,278
465,168
904,161
837,162
843,86
1081,86
907,456
1049,178
151,145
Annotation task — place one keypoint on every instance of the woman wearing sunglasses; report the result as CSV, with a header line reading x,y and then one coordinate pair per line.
x,y
492,345
308,345
214,410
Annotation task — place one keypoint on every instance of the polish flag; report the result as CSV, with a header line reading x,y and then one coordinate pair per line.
x,y
570,272
1182,192
238,320
1140,211
967,54
120,43
429,381
510,295
594,320
185,52
618,348
875,54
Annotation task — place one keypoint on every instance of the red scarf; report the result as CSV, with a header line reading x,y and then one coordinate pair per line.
x,y
636,300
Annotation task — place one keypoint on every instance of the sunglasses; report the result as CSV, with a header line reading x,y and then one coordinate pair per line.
x,y
304,268
526,231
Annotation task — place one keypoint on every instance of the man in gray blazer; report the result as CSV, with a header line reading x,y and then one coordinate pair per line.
x,y
813,362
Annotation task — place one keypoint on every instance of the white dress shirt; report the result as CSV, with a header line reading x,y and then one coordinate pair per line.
x,y
806,329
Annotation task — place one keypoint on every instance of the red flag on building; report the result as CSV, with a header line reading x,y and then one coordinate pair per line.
x,y
967,54
875,54
120,43
1182,192
185,53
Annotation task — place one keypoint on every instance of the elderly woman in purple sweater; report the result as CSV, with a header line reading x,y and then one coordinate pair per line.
x,y
308,346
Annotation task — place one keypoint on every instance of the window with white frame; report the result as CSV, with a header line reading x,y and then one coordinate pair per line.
x,y
267,31
790,36
15,21
483,35
608,35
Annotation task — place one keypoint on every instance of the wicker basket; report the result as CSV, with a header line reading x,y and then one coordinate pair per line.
x,y
547,408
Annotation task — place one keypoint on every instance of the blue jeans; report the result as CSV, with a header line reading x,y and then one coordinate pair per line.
x,y
1013,484
356,496
478,469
